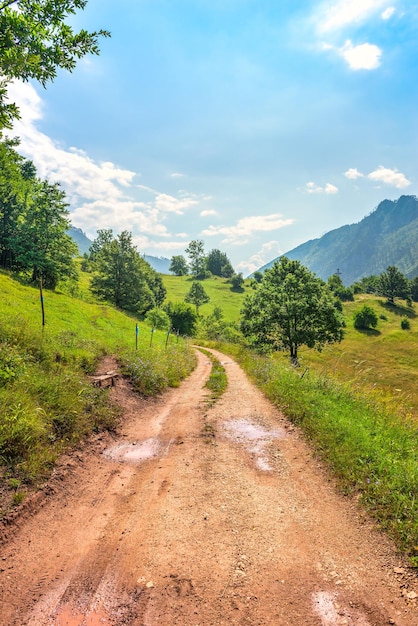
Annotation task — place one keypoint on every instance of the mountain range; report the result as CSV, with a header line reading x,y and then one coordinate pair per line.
x,y
387,236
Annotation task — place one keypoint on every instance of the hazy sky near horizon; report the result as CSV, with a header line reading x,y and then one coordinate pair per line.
x,y
254,125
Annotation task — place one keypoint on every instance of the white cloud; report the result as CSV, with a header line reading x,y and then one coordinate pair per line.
x,y
102,194
389,177
170,204
387,13
269,251
312,187
352,173
247,226
176,175
346,12
208,212
365,56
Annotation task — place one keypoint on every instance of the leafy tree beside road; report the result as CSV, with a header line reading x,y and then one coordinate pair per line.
x,y
33,222
36,38
290,308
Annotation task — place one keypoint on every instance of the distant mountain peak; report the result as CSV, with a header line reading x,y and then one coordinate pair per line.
x,y
387,236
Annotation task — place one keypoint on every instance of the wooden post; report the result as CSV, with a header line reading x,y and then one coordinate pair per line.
x,y
42,301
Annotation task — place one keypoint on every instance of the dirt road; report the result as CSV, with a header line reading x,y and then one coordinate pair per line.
x,y
199,516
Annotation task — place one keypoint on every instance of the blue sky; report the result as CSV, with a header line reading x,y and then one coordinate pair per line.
x,y
254,125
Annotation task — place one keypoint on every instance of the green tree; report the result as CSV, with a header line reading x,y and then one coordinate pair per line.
x,y
122,276
345,294
36,38
196,253
414,289
41,244
178,265
197,296
237,281
183,318
155,283
291,308
393,284
218,264
15,188
157,318
365,318
368,284
258,276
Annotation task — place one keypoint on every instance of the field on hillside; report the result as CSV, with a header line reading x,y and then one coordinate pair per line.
x,y
383,362
218,289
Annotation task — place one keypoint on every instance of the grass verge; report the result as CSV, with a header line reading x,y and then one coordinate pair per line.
x,y
218,380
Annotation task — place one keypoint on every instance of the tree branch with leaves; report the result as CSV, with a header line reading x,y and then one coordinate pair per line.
x,y
36,40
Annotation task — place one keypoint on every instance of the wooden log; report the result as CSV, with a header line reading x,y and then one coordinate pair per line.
x,y
105,379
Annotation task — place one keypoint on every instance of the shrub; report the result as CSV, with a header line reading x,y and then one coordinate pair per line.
x,y
365,318
405,323
157,318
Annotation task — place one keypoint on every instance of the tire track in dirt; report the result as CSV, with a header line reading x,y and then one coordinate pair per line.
x,y
169,526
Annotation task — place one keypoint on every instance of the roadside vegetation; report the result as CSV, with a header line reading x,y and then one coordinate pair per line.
x,y
218,380
47,400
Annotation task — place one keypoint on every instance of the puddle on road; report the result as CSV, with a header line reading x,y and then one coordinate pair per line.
x,y
135,452
332,614
254,438
66,617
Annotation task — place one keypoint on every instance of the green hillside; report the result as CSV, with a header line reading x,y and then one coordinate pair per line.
x,y
218,289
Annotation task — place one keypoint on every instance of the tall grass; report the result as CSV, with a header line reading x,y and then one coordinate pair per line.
x,y
371,452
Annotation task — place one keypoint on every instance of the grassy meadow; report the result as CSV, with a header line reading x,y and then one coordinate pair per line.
x,y
47,400
218,289
383,362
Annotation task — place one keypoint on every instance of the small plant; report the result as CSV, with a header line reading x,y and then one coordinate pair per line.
x,y
365,318
18,498
217,381
405,323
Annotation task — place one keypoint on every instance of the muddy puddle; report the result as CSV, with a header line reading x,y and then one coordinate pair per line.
x,y
254,438
331,613
136,452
